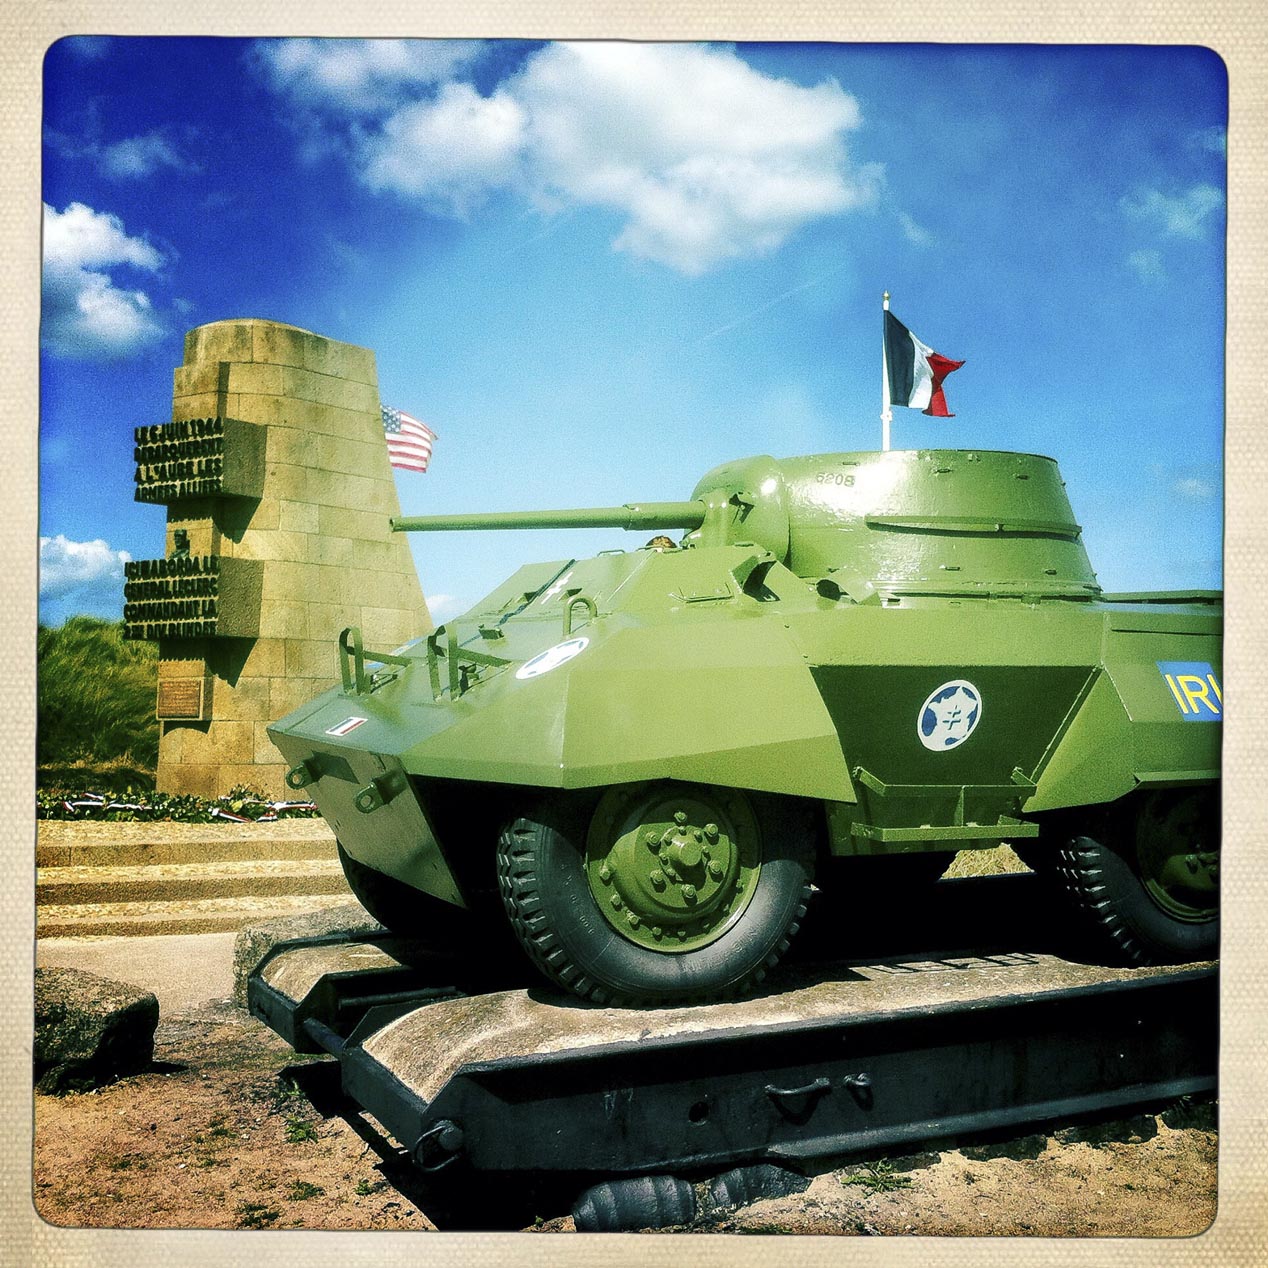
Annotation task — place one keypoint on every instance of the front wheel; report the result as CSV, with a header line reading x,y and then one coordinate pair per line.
x,y
1146,876
660,893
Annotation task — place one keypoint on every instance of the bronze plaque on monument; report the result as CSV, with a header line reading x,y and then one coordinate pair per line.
x,y
180,698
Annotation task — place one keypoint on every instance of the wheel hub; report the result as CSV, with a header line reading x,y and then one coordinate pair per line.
x,y
673,866
1177,846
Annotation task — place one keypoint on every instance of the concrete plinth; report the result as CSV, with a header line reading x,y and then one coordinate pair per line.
x,y
426,1047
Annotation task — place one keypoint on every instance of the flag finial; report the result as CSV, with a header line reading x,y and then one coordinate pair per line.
x,y
885,301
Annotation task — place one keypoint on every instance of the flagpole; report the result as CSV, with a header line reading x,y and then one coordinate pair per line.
x,y
887,410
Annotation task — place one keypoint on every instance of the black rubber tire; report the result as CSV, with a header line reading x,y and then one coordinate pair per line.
x,y
1099,873
402,909
558,923
623,1206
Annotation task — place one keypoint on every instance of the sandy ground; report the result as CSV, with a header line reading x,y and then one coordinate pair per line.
x,y
230,1129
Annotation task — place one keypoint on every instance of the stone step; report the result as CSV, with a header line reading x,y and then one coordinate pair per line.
x,y
160,882
98,844
205,915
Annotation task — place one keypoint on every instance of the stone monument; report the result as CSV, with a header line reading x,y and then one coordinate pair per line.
x,y
275,475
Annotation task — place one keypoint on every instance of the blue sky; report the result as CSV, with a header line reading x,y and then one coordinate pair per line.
x,y
599,270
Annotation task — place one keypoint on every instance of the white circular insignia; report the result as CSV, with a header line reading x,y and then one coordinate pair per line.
x,y
552,658
949,716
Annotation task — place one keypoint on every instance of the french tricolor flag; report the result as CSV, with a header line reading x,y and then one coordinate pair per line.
x,y
914,371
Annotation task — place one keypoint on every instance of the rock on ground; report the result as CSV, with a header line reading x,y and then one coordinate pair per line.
x,y
89,1030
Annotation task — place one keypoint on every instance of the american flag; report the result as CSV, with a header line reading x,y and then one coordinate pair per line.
x,y
408,441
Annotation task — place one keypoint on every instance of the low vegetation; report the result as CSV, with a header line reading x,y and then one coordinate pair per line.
x,y
878,1177
95,702
239,805
256,1215
300,1129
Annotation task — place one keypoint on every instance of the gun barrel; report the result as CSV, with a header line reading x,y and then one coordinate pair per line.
x,y
638,517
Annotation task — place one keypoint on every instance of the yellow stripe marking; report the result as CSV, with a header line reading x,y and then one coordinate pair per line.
x,y
1196,692
1175,691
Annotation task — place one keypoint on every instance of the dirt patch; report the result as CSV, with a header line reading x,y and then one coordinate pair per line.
x,y
230,1129
1125,1185
215,1136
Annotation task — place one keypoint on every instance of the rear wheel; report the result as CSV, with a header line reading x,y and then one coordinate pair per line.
x,y
658,893
1146,876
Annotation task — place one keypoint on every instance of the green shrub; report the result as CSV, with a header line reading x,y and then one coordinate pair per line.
x,y
96,694
238,805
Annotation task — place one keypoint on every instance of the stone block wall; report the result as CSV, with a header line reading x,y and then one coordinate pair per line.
x,y
321,554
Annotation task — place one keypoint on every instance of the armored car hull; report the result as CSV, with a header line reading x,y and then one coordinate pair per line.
x,y
851,667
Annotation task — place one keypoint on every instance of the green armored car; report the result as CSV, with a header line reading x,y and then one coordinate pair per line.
x,y
850,667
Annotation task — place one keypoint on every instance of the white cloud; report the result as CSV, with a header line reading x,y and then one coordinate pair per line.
x,y
1181,216
702,157
450,152
1194,488
85,314
915,234
443,606
1147,263
359,76
138,156
67,567
706,157
130,159
87,238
